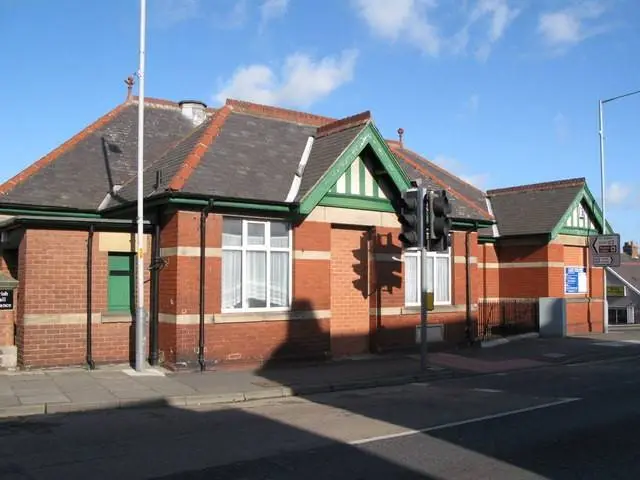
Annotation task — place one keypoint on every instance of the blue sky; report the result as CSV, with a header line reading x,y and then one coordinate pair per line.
x,y
501,92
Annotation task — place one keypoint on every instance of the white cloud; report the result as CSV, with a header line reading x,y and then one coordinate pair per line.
x,y
413,21
453,165
618,193
302,80
166,13
271,9
499,15
564,28
392,19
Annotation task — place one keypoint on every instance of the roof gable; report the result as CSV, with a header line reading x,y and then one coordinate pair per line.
x,y
583,217
544,208
352,141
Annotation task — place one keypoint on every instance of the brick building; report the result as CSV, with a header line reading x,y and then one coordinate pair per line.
x,y
270,233
538,248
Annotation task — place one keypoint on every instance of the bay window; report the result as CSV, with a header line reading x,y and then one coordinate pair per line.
x,y
256,264
438,277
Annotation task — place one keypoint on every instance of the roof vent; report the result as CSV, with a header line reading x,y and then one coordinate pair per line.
x,y
194,110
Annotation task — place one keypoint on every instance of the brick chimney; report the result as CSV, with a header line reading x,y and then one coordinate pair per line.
x,y
631,249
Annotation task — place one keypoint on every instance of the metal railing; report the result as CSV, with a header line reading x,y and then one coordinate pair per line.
x,y
507,317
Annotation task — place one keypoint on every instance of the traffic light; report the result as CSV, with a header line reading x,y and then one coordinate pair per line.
x,y
439,221
412,210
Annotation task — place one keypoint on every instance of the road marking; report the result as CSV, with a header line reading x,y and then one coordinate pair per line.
x,y
487,390
444,426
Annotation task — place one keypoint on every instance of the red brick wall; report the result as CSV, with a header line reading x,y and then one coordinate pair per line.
x,y
52,275
260,340
583,316
7,318
256,341
312,290
350,320
311,285
488,280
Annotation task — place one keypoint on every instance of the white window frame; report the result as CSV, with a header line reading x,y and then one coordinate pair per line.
x,y
266,247
416,254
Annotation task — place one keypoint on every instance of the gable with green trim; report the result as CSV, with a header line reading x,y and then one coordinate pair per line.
x,y
355,178
358,188
582,218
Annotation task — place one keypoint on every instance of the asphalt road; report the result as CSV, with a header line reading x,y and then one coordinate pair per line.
x,y
562,422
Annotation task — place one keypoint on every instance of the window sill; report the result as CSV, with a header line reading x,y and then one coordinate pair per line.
x,y
116,317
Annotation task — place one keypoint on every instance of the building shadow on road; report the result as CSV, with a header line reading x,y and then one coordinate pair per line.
x,y
153,440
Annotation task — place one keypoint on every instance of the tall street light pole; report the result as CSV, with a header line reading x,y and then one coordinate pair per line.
x,y
140,313
602,191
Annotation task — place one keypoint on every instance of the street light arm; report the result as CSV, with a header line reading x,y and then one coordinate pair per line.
x,y
621,96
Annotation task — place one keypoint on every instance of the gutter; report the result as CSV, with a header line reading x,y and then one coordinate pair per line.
x,y
44,212
172,197
105,224
469,326
203,239
156,266
90,363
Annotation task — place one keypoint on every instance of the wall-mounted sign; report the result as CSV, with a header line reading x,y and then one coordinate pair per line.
x,y
616,291
575,280
604,250
6,299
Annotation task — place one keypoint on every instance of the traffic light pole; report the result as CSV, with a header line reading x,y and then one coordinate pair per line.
x,y
423,283
423,310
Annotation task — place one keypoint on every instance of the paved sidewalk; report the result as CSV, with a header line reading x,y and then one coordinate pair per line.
x,y
78,389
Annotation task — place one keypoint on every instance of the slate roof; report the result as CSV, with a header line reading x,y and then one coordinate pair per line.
x,y
81,172
252,158
242,150
467,201
533,209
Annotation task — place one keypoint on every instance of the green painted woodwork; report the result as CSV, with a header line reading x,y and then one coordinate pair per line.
x,y
120,282
46,213
368,136
582,232
232,204
356,202
594,209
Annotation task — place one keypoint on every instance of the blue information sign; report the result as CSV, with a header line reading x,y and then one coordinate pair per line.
x,y
575,280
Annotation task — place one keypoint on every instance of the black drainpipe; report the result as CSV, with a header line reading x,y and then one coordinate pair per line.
x,y
155,293
203,239
90,363
470,332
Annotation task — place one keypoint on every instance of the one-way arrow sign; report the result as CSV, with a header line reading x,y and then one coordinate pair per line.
x,y
604,250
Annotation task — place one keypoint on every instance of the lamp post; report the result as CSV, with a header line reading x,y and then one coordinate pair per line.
x,y
602,191
140,312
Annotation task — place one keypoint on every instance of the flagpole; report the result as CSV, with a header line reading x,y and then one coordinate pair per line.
x,y
140,311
